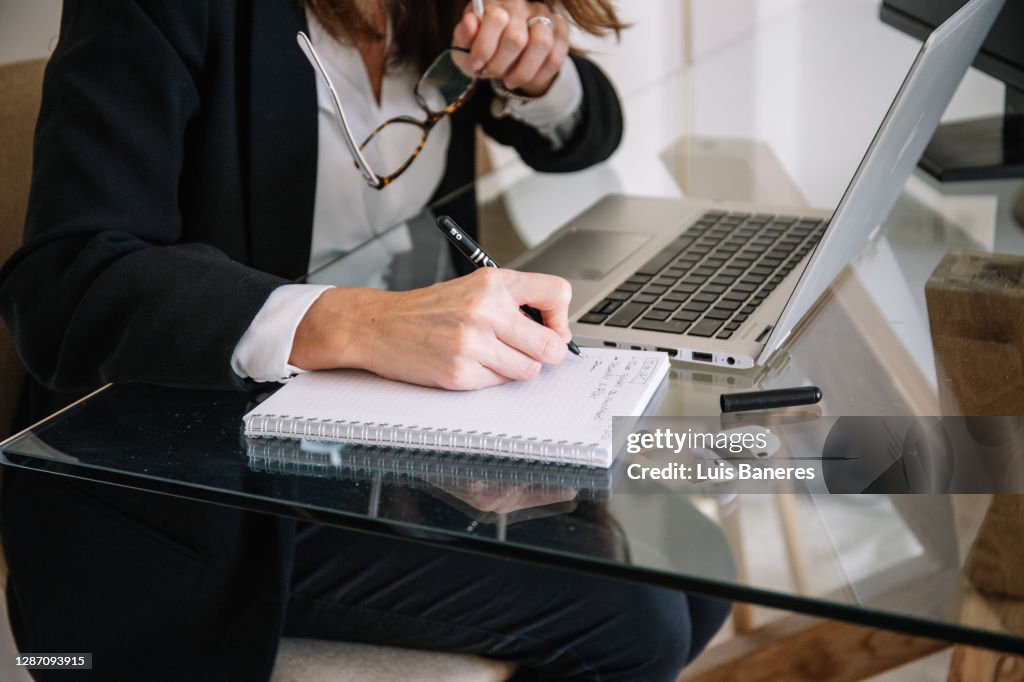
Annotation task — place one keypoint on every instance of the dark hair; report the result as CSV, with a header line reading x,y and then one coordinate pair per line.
x,y
422,29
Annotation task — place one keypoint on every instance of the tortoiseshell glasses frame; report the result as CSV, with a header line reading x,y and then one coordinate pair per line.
x,y
449,73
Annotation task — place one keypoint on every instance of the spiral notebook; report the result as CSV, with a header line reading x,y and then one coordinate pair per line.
x,y
564,415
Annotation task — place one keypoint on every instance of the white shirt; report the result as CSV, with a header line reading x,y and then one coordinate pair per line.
x,y
349,213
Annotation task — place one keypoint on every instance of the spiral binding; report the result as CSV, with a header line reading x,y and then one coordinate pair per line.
x,y
414,437
415,467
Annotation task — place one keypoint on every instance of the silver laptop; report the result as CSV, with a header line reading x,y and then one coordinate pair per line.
x,y
726,284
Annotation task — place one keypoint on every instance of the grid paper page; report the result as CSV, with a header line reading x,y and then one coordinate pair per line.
x,y
573,403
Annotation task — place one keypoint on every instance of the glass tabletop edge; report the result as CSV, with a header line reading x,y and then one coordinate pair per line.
x,y
537,556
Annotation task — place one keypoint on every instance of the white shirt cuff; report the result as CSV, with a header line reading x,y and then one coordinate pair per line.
x,y
263,351
556,113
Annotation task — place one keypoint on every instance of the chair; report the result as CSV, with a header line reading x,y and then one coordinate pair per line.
x,y
298,659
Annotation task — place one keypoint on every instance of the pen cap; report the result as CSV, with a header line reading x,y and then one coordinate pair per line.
x,y
766,400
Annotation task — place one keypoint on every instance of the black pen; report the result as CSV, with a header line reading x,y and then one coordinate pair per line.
x,y
468,247
768,400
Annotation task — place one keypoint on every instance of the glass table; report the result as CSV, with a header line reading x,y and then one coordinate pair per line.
x,y
897,562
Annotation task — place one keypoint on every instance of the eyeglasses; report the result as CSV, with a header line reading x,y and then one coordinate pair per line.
x,y
394,145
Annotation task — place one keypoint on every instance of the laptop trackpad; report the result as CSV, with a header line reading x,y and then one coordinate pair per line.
x,y
585,254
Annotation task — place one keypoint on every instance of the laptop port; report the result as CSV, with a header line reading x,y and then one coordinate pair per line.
x,y
703,357
672,352
637,347
610,344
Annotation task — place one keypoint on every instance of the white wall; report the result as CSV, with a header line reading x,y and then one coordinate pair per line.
x,y
651,48
714,23
666,34
28,28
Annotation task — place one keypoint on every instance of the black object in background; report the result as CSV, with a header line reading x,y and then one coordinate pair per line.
x,y
985,148
770,400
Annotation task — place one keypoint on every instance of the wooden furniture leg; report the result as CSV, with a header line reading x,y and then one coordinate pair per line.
x,y
799,648
970,664
993,593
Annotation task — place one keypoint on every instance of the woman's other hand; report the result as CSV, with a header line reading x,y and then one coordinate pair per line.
x,y
507,47
463,334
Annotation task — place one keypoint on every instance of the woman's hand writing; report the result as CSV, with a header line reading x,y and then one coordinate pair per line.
x,y
463,334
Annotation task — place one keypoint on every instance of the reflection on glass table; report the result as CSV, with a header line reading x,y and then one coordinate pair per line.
x,y
887,561
488,491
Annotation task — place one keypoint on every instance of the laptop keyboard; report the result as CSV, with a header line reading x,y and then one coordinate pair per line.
x,y
710,279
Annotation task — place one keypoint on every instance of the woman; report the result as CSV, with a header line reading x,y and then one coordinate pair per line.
x,y
187,169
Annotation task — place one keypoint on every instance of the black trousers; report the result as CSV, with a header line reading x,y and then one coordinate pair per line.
x,y
556,625
141,580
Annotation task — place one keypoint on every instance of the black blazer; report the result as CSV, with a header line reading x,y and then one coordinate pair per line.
x,y
172,191
174,182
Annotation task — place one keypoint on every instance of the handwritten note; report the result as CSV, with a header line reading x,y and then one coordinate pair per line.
x,y
572,403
